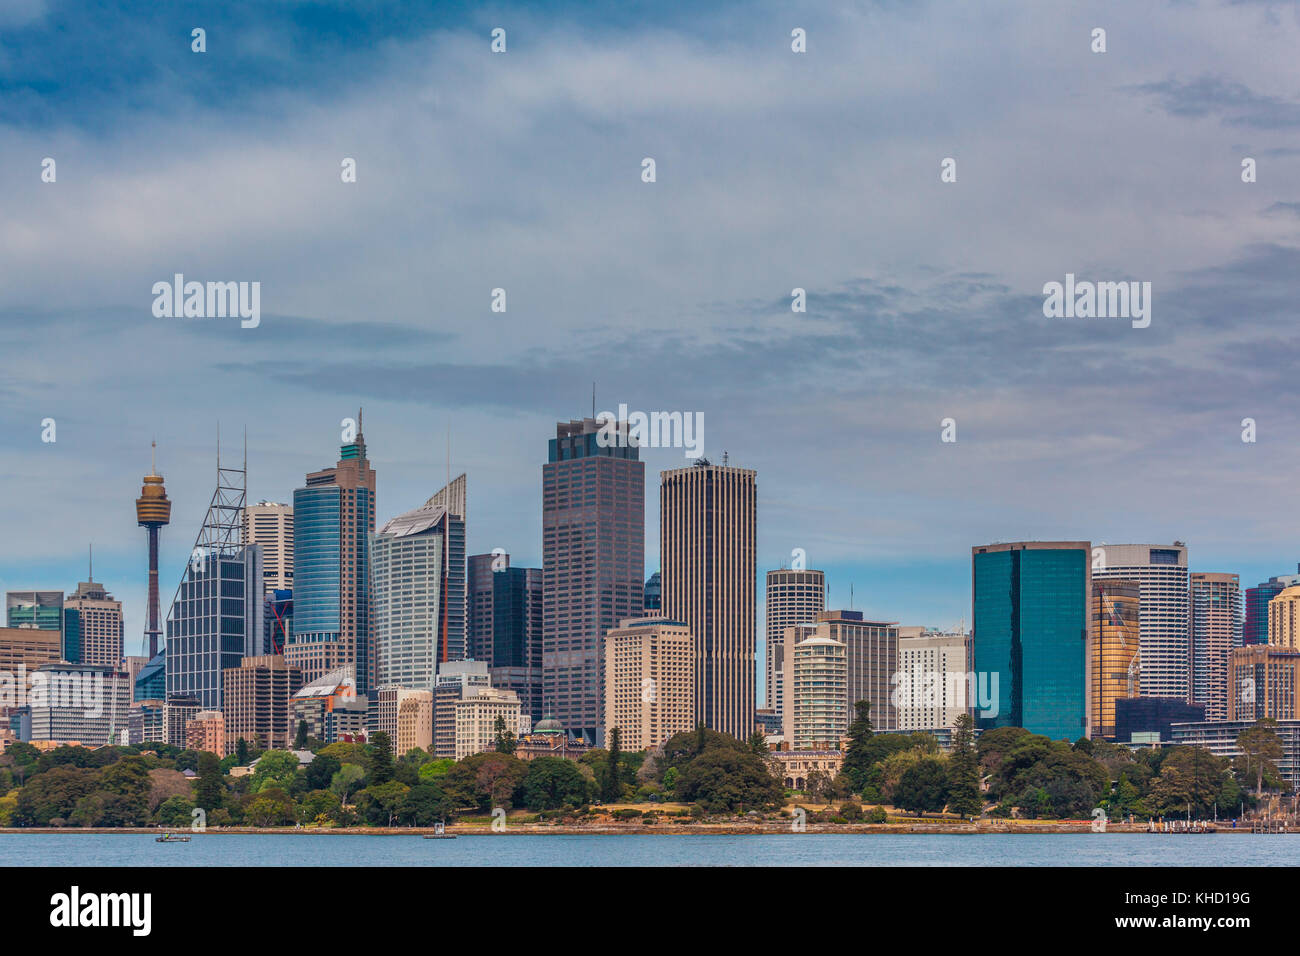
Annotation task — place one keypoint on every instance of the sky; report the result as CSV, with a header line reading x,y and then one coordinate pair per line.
x,y
775,170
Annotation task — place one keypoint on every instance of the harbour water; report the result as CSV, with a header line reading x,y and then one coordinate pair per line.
x,y
805,849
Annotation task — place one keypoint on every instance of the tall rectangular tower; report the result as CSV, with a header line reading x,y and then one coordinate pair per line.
x,y
707,526
269,524
334,515
793,597
1216,625
1030,605
92,624
1161,575
593,564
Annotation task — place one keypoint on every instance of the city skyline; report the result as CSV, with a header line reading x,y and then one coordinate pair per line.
x,y
923,298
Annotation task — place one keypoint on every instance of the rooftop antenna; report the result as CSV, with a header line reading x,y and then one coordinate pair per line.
x,y
92,563
725,458
593,399
850,597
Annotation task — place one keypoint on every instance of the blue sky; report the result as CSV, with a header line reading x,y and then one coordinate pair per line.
x,y
775,171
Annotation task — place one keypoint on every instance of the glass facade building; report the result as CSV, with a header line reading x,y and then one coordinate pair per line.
x,y
1255,628
1030,608
214,622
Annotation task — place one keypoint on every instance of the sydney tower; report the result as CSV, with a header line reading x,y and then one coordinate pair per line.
x,y
152,511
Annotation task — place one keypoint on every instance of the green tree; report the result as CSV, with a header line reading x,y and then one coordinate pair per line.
x,y
1260,748
553,782
275,768
503,738
347,781
963,770
241,752
435,769
210,788
424,805
923,787
300,739
321,771
381,759
858,758
611,788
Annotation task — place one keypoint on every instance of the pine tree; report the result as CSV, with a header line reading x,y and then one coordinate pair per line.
x,y
613,787
963,771
300,741
381,760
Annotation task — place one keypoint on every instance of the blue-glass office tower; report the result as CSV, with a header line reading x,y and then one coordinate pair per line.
x,y
505,626
1030,609
333,515
1255,629
214,623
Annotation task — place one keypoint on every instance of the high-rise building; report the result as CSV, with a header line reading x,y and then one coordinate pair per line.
x,y
407,599
277,621
1215,620
257,696
1255,628
177,712
92,626
269,525
477,714
1284,619
1114,662
216,616
333,517
1263,681
649,681
593,565
1030,638
793,597
84,704
455,680
933,679
28,648
707,527
206,731
817,711
331,707
505,626
871,656
152,512
40,610
653,593
405,715
1161,575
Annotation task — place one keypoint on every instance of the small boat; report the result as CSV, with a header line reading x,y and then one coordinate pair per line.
x,y
439,834
171,838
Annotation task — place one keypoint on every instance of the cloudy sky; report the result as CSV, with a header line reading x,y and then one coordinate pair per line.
x,y
775,170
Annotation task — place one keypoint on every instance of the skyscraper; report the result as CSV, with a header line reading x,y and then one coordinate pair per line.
x,y
417,598
1255,628
92,624
152,512
333,516
505,626
1161,574
270,525
593,564
653,593
42,610
1115,661
1284,619
793,597
649,682
216,616
1215,623
1029,600
707,525
817,711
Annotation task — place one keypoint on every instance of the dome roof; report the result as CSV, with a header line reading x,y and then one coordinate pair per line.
x,y
548,725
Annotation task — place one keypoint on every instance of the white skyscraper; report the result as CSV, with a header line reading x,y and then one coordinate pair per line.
x,y
1162,577
270,525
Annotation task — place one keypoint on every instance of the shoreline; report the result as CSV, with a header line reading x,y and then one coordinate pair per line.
x,y
882,829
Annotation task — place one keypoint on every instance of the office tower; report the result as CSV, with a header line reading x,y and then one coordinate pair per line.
x,y
1255,628
1114,662
177,712
28,648
257,695
476,719
1161,574
505,626
36,610
871,652
1150,720
333,516
207,731
652,594
593,564
817,709
933,689
144,722
92,626
277,621
150,681
331,707
1284,618
216,615
707,523
1030,635
417,585
152,512
1215,621
649,681
455,679
1263,681
793,597
405,715
269,525
85,704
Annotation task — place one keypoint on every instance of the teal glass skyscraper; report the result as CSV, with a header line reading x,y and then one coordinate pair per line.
x,y
1030,643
